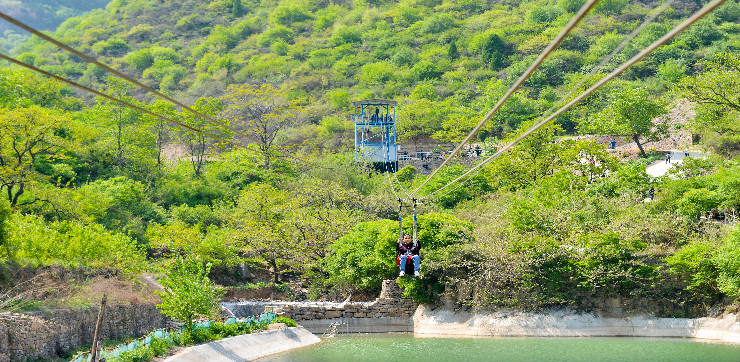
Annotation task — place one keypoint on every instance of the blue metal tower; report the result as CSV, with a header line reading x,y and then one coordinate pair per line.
x,y
375,133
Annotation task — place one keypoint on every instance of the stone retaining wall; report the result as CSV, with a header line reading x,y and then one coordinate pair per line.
x,y
53,332
390,304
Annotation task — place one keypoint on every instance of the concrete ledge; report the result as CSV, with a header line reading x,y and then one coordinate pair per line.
x,y
360,325
572,324
247,347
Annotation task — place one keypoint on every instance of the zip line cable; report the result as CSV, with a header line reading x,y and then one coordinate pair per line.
x,y
395,175
611,55
664,39
659,10
135,107
387,174
541,58
101,94
121,75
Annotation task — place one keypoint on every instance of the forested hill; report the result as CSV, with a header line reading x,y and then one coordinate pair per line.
x,y
44,14
451,58
554,222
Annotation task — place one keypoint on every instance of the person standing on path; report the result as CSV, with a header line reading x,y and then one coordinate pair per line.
x,y
668,157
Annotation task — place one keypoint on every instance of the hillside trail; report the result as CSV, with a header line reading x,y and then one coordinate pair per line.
x,y
660,168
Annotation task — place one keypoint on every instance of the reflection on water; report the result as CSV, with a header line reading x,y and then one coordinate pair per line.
x,y
407,348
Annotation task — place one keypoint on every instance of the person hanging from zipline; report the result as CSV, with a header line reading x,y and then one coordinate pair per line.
x,y
408,251
407,248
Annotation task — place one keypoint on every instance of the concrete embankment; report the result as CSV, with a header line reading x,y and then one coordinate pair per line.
x,y
571,324
247,347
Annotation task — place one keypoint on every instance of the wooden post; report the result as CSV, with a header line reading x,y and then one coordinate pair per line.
x,y
95,345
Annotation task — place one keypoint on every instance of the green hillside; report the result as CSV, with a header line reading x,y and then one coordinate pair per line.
x,y
448,59
42,14
555,222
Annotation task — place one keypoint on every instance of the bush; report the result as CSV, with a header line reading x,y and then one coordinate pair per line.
x,y
5,212
33,240
693,264
197,335
696,202
189,294
159,346
727,260
141,354
288,322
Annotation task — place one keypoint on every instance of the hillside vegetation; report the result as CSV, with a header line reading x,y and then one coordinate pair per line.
x,y
43,14
87,183
448,60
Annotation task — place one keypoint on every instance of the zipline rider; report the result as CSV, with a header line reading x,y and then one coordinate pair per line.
x,y
408,249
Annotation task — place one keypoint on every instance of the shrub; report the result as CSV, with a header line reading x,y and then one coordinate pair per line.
x,y
159,346
111,47
5,212
693,263
698,201
275,33
345,35
140,59
222,330
288,321
33,240
727,260
189,294
140,354
197,335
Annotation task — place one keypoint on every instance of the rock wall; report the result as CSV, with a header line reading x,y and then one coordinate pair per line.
x,y
53,332
390,305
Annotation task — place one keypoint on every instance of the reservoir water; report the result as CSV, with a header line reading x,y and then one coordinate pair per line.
x,y
410,348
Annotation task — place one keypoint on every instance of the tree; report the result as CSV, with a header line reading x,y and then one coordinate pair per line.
x,y
452,51
727,260
121,120
237,10
540,155
188,292
715,91
717,85
631,113
29,135
21,88
5,212
160,128
261,221
262,112
325,212
366,255
495,51
198,143
417,120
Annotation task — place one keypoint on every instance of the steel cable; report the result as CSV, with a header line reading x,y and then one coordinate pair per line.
x,y
593,71
121,75
541,58
101,94
665,38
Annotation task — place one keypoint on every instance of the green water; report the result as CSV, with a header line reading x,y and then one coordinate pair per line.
x,y
407,348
